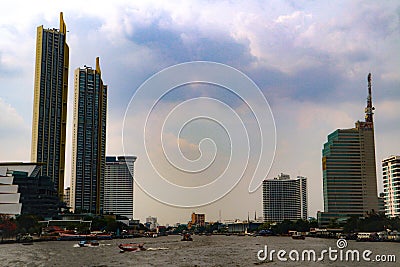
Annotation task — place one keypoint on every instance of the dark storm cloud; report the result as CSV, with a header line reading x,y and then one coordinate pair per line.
x,y
171,44
315,83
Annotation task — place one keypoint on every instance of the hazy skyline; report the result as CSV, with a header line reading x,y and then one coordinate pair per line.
x,y
310,58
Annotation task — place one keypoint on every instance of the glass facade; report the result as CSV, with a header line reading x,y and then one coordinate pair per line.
x,y
349,172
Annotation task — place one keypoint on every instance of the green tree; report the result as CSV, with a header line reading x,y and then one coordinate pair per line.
x,y
28,223
264,226
284,227
302,225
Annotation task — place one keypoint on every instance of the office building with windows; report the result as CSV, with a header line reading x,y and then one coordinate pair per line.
x,y
50,103
118,186
349,170
391,185
36,193
88,141
285,198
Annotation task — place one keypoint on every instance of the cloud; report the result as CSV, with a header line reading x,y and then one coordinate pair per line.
x,y
310,58
14,136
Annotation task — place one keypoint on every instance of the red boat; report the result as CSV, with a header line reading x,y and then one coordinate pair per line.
x,y
131,247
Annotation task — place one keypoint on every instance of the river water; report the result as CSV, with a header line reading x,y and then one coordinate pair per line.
x,y
202,251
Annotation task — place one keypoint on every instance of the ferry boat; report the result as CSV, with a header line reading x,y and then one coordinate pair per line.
x,y
187,237
25,239
367,237
297,235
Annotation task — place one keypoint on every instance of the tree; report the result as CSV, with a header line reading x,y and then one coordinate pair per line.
x,y
264,226
284,227
302,225
28,223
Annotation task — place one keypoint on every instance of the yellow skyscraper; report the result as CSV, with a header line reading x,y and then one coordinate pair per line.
x,y
50,103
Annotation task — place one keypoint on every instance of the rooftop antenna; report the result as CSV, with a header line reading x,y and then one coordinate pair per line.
x,y
369,109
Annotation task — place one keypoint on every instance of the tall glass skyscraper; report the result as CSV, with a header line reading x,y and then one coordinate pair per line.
x,y
89,140
285,198
349,170
50,103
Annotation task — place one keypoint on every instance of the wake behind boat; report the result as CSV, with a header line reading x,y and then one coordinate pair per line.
x,y
131,247
89,243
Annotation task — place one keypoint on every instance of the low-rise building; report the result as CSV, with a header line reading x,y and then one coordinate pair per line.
x,y
9,196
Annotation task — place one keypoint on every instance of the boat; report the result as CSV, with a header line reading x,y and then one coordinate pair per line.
x,y
187,237
372,237
131,247
26,239
89,243
297,235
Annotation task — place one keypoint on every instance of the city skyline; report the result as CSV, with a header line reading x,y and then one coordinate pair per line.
x,y
310,66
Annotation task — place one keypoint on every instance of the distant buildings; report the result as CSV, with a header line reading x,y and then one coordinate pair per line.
x,y
391,185
50,103
118,186
285,198
349,170
198,219
89,141
151,223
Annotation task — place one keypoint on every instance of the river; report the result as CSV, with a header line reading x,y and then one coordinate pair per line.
x,y
202,251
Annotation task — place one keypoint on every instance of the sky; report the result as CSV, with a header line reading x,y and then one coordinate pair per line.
x,y
310,59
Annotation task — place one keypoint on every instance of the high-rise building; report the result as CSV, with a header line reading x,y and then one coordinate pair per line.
x,y
391,185
285,198
50,103
88,141
349,170
118,186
